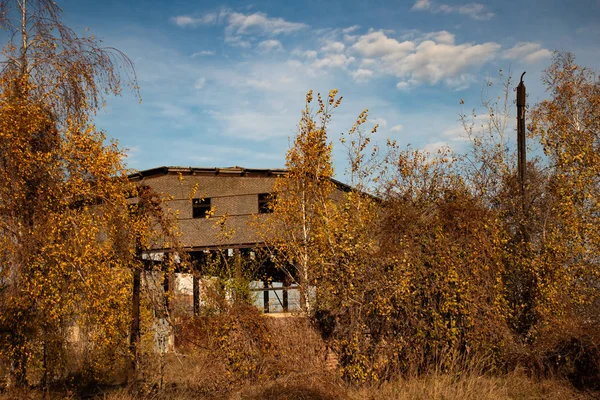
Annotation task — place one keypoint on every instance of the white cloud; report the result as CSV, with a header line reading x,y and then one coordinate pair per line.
x,y
243,24
404,85
333,47
241,29
396,128
530,52
475,11
537,56
461,81
422,5
350,29
333,61
350,38
190,21
270,45
310,54
361,75
432,60
200,83
203,53
442,37
377,44
368,62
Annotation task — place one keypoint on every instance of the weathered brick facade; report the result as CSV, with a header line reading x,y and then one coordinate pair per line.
x,y
233,191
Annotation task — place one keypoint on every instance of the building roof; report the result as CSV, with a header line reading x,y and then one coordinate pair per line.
x,y
241,171
226,171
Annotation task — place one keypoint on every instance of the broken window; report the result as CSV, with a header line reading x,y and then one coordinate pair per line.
x,y
266,202
200,208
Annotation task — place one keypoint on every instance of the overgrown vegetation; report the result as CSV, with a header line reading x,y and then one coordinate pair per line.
x,y
446,259
69,236
437,256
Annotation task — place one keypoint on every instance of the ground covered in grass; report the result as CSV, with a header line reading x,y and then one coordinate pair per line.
x,y
297,386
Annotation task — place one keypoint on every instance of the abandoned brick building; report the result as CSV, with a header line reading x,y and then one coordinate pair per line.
x,y
200,196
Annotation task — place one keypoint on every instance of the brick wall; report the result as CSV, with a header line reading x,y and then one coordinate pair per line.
x,y
234,194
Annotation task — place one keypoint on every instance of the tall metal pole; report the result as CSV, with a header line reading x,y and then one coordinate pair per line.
x,y
521,145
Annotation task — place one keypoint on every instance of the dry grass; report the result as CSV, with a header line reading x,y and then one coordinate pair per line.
x,y
291,365
472,387
294,386
514,386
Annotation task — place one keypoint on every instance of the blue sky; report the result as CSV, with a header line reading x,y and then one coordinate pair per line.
x,y
223,83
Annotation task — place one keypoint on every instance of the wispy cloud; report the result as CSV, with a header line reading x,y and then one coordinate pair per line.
x,y
333,47
351,29
429,58
405,86
475,11
203,53
529,52
192,21
333,61
237,77
237,41
362,75
443,37
310,54
267,46
243,24
243,30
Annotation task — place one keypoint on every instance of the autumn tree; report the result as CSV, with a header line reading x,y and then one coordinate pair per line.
x,y
297,231
349,284
65,249
568,127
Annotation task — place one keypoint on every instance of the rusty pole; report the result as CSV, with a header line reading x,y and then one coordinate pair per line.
x,y
521,145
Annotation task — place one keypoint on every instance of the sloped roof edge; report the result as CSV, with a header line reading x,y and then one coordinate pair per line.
x,y
164,170
235,170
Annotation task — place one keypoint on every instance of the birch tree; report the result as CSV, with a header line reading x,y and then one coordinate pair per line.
x,y
297,229
64,255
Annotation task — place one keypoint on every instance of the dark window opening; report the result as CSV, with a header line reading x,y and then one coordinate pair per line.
x,y
266,202
200,208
